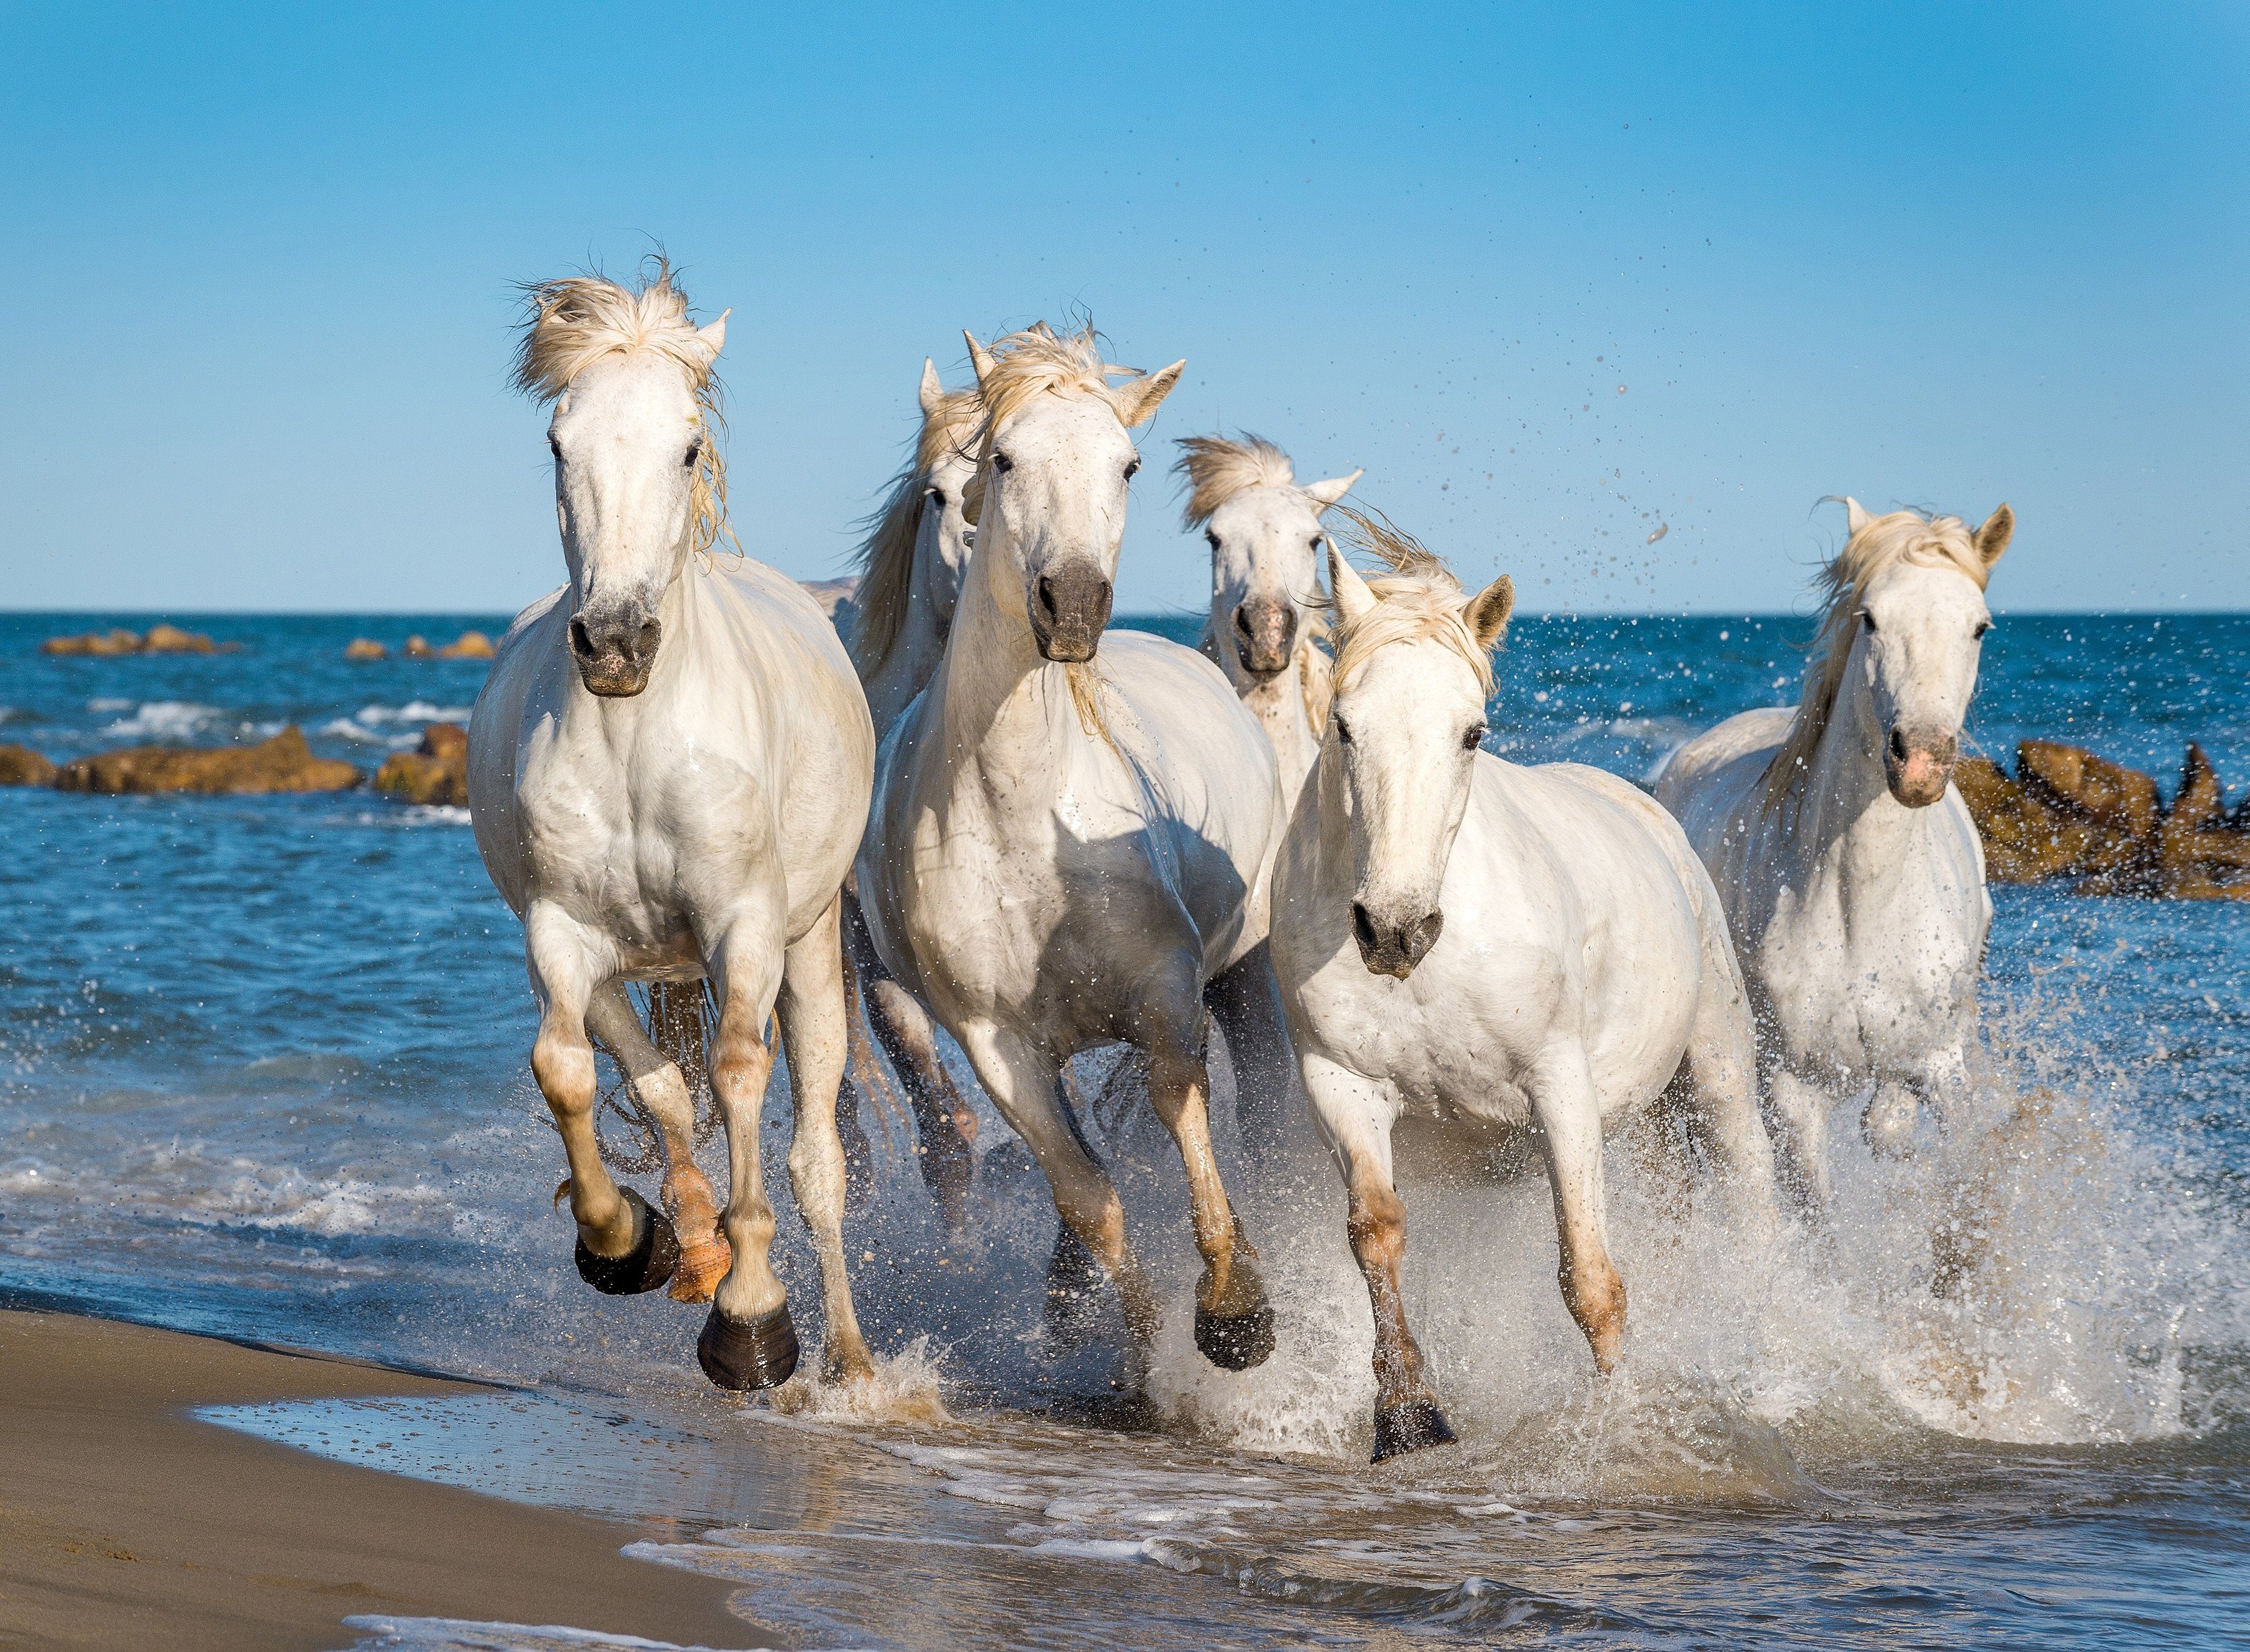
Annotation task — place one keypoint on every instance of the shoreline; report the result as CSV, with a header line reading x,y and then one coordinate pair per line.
x,y
126,1520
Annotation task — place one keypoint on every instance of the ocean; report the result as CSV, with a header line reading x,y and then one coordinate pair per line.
x,y
263,1073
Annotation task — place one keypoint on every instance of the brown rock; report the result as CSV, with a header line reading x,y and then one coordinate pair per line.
x,y
418,648
170,639
2026,839
437,772
283,764
2108,793
21,766
365,648
2201,801
470,645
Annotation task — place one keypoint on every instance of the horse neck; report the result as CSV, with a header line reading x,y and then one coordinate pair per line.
x,y
1002,707
1846,813
918,649
1278,703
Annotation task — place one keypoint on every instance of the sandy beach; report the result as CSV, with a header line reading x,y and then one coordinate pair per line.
x,y
125,1522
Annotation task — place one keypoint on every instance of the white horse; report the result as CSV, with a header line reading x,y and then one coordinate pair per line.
x,y
669,769
1498,949
1266,616
1063,853
911,568
1852,875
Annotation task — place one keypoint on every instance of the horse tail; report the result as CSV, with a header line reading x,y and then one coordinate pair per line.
x,y
865,1069
680,1017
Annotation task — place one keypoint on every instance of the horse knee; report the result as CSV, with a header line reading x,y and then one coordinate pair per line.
x,y
1594,1292
564,1071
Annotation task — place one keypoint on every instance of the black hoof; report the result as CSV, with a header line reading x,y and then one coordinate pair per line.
x,y
745,1354
1075,1295
1235,1342
646,1267
1399,1430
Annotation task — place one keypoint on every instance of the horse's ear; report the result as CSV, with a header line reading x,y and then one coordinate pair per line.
x,y
1855,516
979,357
1488,612
1326,493
1138,398
1992,538
1353,598
933,390
713,337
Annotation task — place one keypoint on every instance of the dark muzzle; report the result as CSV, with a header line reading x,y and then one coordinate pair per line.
x,y
1917,766
1265,634
1069,607
615,649
1392,946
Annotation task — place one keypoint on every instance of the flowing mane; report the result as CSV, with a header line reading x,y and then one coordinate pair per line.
x,y
1880,542
1421,599
572,322
886,558
1216,469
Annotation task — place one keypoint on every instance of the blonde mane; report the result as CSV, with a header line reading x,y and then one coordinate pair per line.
x,y
1421,599
1216,469
1880,542
572,323
887,559
1023,366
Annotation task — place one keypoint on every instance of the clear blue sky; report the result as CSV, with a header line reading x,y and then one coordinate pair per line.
x,y
1940,255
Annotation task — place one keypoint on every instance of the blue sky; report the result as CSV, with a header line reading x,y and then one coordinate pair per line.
x,y
1555,275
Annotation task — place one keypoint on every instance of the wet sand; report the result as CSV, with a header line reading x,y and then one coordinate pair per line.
x,y
125,1521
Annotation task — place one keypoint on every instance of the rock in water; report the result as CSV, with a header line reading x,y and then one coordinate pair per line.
x,y
418,648
470,645
365,648
170,639
283,764
21,766
2110,795
2025,839
437,772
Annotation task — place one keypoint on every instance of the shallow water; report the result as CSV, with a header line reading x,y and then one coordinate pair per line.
x,y
262,1072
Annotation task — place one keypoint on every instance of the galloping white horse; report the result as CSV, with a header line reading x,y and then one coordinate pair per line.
x,y
911,568
1066,853
1852,875
1266,618
669,769
1498,949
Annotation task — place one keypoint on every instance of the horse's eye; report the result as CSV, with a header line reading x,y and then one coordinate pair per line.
x,y
556,448
1211,538
1868,620
1343,730
1316,543
1474,737
1983,625
1133,469
1002,463
695,452
937,497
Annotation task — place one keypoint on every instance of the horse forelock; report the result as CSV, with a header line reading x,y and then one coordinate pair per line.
x,y
1217,469
1024,366
571,322
887,557
1422,599
1900,538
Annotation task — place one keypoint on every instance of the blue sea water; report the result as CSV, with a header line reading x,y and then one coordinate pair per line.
x,y
262,1072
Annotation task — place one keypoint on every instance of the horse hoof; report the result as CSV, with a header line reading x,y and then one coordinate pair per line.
x,y
1235,1342
1075,1298
1417,1424
655,1253
696,1276
745,1354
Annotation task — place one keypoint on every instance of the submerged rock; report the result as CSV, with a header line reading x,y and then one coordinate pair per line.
x,y
160,640
436,772
2068,813
21,766
365,648
283,764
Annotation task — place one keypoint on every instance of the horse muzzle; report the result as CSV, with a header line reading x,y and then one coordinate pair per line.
x,y
1068,609
1392,946
1264,635
1917,767
615,650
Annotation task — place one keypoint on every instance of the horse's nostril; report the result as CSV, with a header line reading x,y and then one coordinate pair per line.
x,y
648,629
581,641
1046,590
1242,621
1898,745
1362,927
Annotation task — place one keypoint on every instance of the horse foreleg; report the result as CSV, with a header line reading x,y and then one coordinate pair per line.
x,y
1567,1112
1234,1322
1355,1115
1246,1003
749,1341
623,1247
1798,1110
812,1014
657,1085
943,1123
1722,1101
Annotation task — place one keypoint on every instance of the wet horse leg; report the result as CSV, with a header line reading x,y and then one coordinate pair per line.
x,y
1355,1115
1246,1003
661,1090
623,1247
943,1120
812,1015
1568,1113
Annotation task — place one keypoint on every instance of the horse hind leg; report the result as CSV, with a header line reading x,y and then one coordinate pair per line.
x,y
814,1017
662,1088
946,1127
1246,1003
1567,1112
1717,1094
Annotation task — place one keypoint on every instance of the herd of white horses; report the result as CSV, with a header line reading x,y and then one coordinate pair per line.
x,y
988,812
